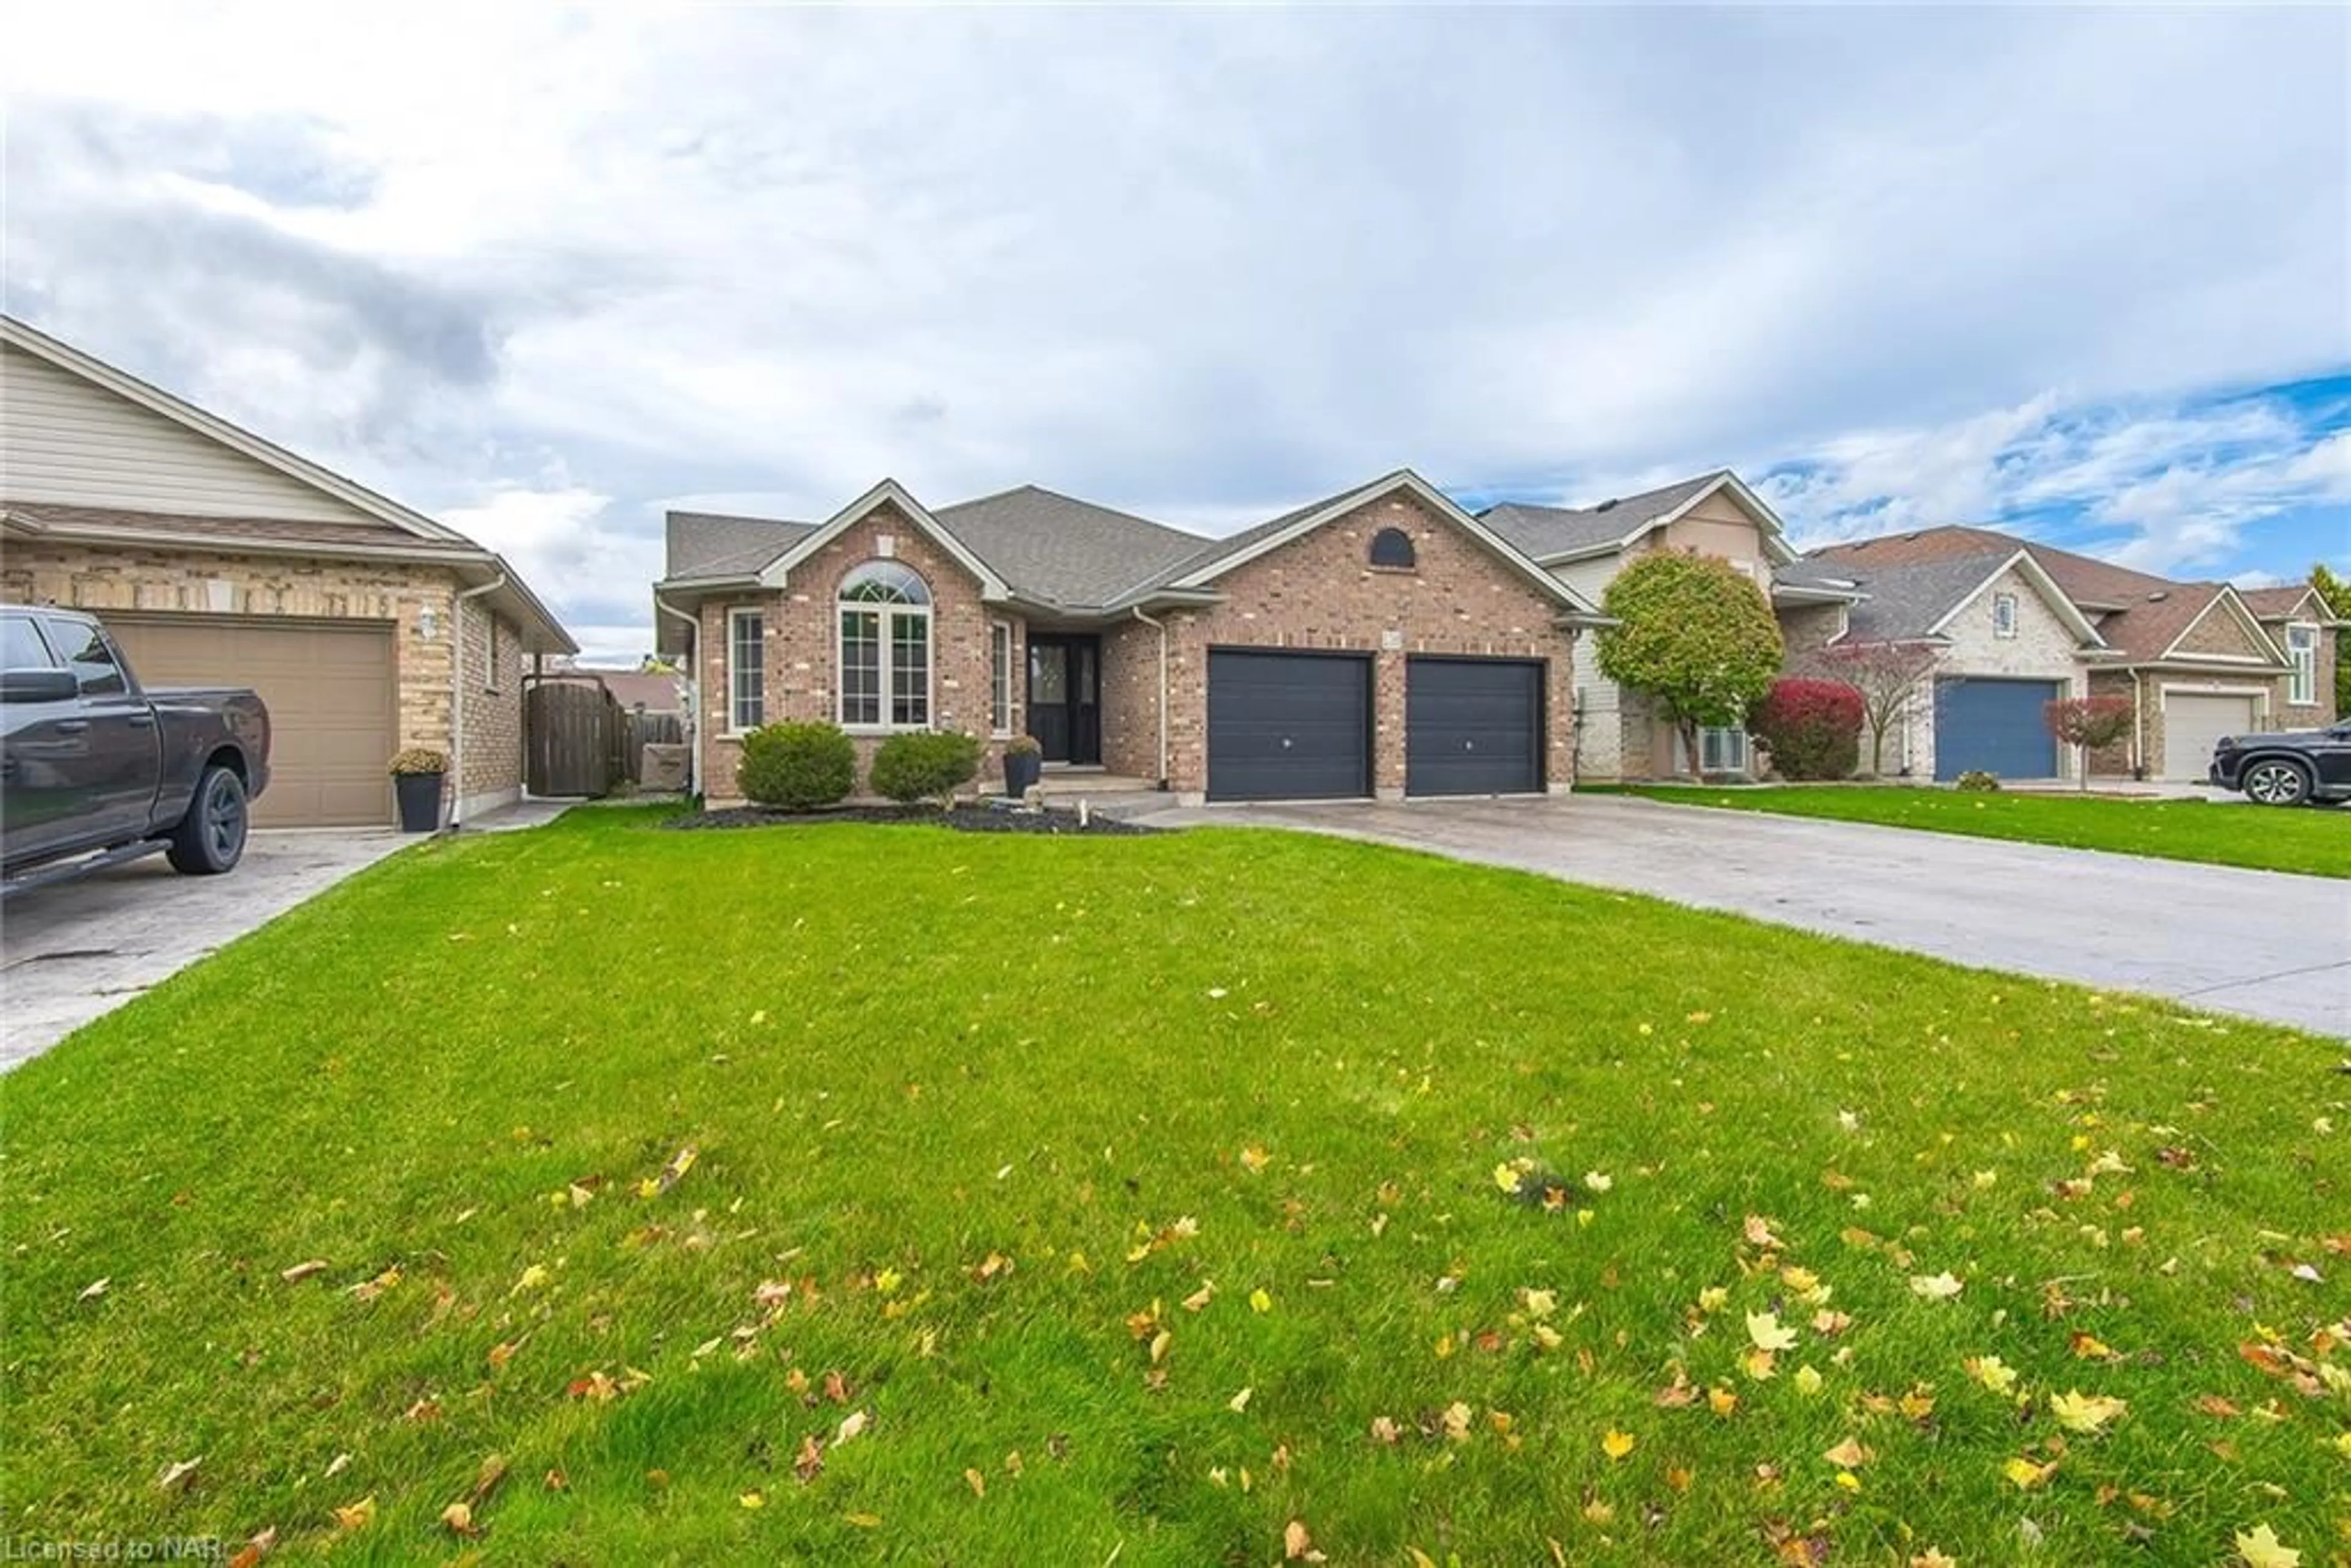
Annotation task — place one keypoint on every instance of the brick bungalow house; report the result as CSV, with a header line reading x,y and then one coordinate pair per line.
x,y
217,558
2021,622
1382,642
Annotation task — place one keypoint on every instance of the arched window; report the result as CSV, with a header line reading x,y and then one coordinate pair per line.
x,y
1392,547
885,647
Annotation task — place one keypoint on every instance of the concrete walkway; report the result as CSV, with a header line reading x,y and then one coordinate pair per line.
x,y
2264,944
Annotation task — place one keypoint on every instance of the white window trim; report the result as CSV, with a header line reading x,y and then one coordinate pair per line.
x,y
1746,742
2005,615
1000,632
2301,686
490,654
889,613
733,643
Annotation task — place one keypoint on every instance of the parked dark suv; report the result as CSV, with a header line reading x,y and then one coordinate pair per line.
x,y
2296,768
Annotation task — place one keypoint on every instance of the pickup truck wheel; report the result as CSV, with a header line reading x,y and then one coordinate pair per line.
x,y
2277,784
211,838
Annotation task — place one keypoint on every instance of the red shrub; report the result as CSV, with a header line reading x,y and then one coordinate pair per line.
x,y
1813,728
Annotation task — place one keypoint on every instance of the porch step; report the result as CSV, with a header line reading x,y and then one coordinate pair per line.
x,y
1060,783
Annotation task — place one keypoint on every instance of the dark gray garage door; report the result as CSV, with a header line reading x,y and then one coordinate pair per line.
x,y
1289,727
1994,725
1473,726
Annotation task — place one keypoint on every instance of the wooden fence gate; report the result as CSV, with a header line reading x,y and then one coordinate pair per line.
x,y
576,738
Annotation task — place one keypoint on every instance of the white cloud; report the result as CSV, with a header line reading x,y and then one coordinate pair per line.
x,y
2165,489
1200,263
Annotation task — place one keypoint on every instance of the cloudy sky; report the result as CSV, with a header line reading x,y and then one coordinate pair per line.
x,y
545,273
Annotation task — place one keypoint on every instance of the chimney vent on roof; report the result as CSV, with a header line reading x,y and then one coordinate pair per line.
x,y
1606,505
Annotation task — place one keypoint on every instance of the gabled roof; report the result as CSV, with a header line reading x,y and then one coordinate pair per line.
x,y
1062,550
1202,568
1555,534
889,492
22,335
2141,615
389,530
1916,601
1046,548
2286,601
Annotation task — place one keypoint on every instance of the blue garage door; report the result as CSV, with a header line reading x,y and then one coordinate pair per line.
x,y
1994,726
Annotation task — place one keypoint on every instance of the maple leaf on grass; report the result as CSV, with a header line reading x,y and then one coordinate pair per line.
x,y
2261,1548
1766,1330
2085,1413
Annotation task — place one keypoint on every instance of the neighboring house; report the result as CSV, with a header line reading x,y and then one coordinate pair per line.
x,y
217,558
1622,733
2022,622
1380,641
653,692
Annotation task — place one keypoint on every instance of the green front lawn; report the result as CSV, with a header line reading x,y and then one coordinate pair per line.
x,y
1073,1201
2316,843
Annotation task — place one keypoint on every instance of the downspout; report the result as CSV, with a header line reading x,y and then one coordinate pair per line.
x,y
1160,627
457,690
692,688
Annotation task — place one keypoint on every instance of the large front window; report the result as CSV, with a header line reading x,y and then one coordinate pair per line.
x,y
2301,653
885,647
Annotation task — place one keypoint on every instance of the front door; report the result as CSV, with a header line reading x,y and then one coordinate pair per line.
x,y
1065,695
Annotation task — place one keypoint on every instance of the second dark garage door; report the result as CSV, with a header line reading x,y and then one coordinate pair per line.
x,y
1289,727
1473,726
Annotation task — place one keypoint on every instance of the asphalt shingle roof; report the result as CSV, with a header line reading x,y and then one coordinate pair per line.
x,y
1046,546
2277,604
1067,551
715,544
1907,601
2149,613
1543,531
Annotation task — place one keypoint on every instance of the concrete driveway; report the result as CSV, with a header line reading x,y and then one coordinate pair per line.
x,y
75,950
2264,944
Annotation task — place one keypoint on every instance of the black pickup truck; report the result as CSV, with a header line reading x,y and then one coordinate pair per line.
x,y
95,770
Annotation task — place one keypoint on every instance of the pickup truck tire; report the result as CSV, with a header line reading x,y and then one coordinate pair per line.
x,y
211,838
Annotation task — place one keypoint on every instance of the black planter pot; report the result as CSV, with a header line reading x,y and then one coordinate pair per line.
x,y
420,801
1021,771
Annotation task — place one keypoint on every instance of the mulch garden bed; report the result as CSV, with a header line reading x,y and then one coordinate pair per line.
x,y
962,820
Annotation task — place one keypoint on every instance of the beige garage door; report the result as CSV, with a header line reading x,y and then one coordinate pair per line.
x,y
333,703
2193,721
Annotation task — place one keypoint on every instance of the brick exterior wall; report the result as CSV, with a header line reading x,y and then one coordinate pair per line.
x,y
175,579
2043,649
1130,698
2218,632
491,770
803,662
1318,592
2145,688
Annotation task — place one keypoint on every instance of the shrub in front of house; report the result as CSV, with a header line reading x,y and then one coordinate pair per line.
x,y
1812,728
926,765
798,767
1977,781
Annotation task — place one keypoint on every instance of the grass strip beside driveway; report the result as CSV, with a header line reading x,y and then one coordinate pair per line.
x,y
2310,840
1173,1199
